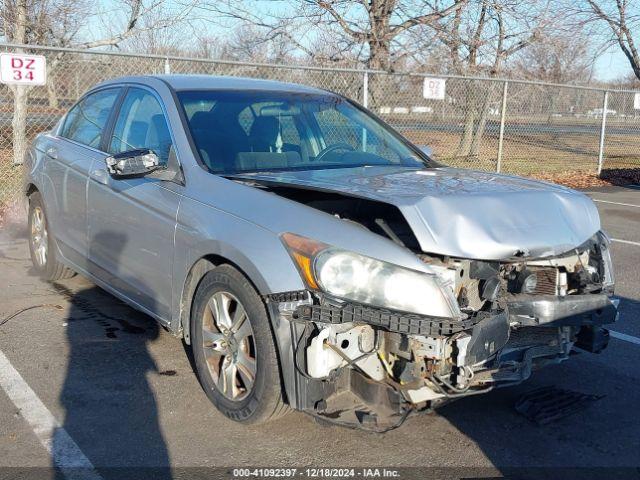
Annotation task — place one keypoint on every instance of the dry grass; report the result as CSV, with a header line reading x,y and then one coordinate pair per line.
x,y
535,154
10,177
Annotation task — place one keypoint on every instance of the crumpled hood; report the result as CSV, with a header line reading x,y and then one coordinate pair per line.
x,y
466,213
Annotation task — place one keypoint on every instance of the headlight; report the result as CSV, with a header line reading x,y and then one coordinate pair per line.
x,y
351,276
608,280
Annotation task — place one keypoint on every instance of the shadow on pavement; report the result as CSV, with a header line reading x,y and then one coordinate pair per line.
x,y
599,441
110,408
112,415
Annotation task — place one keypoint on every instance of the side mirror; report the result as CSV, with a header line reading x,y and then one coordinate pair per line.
x,y
134,163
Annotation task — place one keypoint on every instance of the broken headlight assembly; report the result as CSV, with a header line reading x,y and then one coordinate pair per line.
x,y
349,276
608,279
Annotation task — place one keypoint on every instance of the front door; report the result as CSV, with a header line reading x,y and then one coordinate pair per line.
x,y
132,221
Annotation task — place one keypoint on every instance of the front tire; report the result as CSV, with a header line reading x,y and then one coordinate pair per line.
x,y
234,349
42,247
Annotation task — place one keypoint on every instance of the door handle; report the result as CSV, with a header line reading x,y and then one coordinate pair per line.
x,y
52,152
100,176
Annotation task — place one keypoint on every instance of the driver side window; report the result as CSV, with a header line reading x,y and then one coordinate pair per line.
x,y
141,124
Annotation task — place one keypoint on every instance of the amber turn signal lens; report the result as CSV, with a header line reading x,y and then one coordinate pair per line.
x,y
304,265
302,250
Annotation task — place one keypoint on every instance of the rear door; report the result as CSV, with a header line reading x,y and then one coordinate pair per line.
x,y
67,169
132,221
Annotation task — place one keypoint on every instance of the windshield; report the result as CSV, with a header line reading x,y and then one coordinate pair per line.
x,y
249,131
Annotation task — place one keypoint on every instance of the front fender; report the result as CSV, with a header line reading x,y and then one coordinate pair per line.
x,y
207,232
204,235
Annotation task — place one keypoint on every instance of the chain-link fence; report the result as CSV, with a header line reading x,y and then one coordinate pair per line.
x,y
490,124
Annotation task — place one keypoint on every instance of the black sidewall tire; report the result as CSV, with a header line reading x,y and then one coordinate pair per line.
x,y
266,394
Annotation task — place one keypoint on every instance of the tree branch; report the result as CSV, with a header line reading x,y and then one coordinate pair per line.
x,y
426,18
328,7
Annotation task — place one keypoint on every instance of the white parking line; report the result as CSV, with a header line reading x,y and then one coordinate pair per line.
x,y
65,453
616,203
628,242
625,337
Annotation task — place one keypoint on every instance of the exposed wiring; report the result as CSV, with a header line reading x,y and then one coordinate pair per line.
x,y
32,307
350,362
449,386
386,365
460,395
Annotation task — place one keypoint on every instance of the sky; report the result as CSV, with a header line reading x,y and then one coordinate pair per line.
x,y
611,65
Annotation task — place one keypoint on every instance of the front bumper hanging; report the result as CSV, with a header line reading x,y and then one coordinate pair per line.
x,y
571,310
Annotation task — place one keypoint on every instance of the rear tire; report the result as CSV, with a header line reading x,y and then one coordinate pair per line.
x,y
42,246
234,349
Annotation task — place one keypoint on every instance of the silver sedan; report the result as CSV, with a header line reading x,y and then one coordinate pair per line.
x,y
311,256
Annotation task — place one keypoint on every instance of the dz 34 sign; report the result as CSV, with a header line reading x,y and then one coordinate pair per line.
x,y
19,69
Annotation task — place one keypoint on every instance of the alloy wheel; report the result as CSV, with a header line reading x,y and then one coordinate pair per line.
x,y
229,346
39,236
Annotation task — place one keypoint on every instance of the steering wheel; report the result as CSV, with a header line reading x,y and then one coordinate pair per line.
x,y
331,148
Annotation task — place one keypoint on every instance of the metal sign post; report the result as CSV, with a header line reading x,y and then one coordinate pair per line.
x,y
502,119
602,131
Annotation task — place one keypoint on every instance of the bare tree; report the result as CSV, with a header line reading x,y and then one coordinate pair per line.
x,y
247,43
58,23
53,23
378,24
563,57
481,37
20,92
373,28
155,35
620,19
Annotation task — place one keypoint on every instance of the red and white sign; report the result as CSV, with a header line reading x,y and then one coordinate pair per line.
x,y
434,88
16,68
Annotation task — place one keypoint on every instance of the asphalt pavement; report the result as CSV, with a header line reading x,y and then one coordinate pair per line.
x,y
86,377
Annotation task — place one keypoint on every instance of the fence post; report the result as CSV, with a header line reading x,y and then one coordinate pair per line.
x,y
365,90
602,131
365,104
503,111
167,67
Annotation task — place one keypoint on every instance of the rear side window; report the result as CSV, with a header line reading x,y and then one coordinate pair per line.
x,y
86,121
141,124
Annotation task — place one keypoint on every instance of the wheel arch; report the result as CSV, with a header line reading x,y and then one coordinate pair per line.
x,y
194,277
196,273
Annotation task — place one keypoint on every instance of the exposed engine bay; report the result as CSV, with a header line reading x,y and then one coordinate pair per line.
x,y
370,367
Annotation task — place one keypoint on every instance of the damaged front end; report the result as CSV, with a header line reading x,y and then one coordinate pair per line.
x,y
373,342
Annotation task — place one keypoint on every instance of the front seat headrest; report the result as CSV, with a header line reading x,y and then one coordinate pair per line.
x,y
264,134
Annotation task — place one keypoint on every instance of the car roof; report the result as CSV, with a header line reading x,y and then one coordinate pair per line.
x,y
216,82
